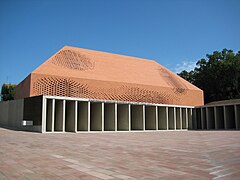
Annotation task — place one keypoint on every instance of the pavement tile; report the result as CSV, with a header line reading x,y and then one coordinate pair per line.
x,y
129,155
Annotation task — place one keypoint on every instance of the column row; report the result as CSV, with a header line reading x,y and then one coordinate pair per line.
x,y
217,117
77,116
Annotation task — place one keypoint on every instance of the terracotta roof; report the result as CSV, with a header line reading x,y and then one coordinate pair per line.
x,y
93,74
90,64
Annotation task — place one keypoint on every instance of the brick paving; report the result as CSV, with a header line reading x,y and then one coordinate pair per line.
x,y
128,155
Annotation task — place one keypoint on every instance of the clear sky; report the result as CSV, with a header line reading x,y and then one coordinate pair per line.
x,y
175,33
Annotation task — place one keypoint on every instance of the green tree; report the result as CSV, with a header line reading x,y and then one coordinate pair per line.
x,y
7,92
189,76
218,75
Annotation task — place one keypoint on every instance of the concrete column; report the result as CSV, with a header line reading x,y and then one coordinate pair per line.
x,y
237,116
156,117
129,118
167,118
225,117
162,118
102,116
175,118
89,116
116,115
151,117
53,113
64,114
123,117
215,118
202,118
144,119
180,118
188,125
207,118
190,114
137,117
110,117
44,114
82,116
76,117
192,117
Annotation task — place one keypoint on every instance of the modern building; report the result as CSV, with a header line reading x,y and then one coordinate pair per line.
x,y
82,73
80,90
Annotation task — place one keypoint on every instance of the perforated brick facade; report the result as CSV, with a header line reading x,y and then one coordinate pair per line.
x,y
76,72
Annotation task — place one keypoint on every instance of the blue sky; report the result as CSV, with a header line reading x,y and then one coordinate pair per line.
x,y
175,33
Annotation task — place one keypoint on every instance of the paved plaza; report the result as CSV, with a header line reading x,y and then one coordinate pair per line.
x,y
121,155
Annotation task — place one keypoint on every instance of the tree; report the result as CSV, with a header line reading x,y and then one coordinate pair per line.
x,y
187,75
218,75
7,92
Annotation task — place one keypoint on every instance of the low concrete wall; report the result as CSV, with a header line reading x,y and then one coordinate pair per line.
x,y
33,110
4,106
64,114
12,116
217,117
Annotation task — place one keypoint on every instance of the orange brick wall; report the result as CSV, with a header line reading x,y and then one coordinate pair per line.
x,y
76,72
23,89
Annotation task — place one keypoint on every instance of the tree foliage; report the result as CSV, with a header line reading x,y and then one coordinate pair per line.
x,y
218,75
7,92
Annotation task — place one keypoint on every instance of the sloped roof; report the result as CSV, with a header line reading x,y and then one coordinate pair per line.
x,y
83,73
90,64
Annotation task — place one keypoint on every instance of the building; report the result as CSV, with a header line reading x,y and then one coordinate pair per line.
x,y
217,115
82,73
78,90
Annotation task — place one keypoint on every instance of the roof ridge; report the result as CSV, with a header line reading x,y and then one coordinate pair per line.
x,y
104,52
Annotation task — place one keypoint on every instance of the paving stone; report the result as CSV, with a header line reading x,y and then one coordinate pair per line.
x,y
128,155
